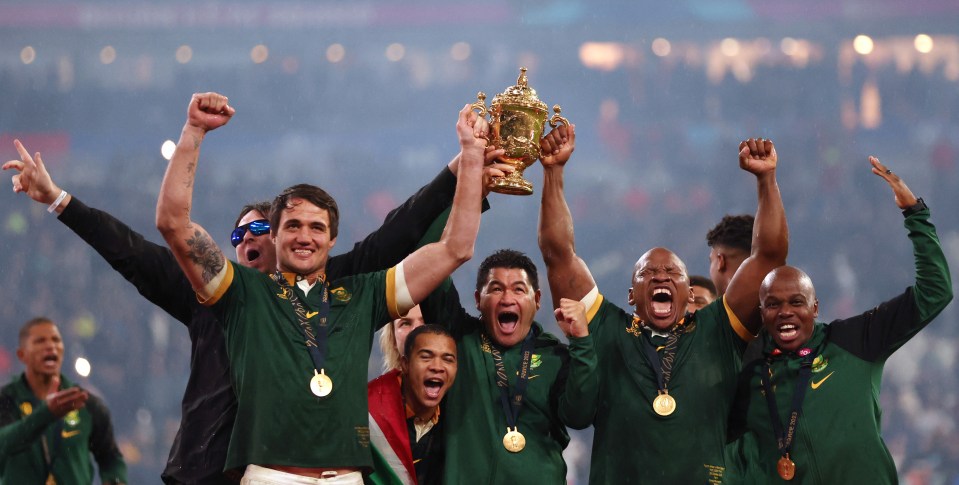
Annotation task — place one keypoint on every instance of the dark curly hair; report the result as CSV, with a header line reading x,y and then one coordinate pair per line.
x,y
733,232
510,259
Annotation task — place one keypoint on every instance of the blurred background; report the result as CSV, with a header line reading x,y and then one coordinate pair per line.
x,y
361,98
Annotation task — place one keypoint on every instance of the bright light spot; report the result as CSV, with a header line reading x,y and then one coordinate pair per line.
x,y
460,51
184,53
83,367
395,52
28,55
923,43
862,44
729,47
604,56
108,54
259,54
789,46
661,47
335,53
167,149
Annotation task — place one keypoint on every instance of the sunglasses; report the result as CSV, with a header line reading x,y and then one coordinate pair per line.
x,y
258,227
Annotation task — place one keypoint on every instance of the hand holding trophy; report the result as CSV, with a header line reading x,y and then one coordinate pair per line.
x,y
516,118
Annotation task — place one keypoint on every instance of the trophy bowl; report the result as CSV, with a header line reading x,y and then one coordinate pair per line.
x,y
516,118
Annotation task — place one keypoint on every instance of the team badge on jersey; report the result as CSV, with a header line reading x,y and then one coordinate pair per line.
x,y
72,418
341,294
536,362
819,363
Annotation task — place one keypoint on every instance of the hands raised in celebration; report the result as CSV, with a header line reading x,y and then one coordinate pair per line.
x,y
904,197
757,156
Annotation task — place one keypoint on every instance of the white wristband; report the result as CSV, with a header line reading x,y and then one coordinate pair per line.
x,y
56,203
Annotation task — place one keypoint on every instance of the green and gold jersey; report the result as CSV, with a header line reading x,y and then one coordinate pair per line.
x,y
279,420
561,378
27,427
838,436
632,443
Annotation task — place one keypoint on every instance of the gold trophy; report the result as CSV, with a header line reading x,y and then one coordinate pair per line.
x,y
516,118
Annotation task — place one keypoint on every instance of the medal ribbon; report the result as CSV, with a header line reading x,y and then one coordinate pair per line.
x,y
663,368
315,338
784,438
512,406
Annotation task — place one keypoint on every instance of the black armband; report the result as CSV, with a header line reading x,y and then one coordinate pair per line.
x,y
918,206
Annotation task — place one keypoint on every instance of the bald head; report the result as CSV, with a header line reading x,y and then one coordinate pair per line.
x,y
789,308
660,289
658,257
788,275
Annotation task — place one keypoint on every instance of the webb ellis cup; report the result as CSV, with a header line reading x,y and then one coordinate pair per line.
x,y
516,117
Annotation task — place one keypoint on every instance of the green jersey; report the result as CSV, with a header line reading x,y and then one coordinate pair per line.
x,y
28,427
279,420
561,378
632,443
838,437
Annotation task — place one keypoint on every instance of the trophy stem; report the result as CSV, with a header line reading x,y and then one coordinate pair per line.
x,y
513,184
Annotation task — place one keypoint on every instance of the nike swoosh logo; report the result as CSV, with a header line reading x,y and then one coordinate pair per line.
x,y
67,434
311,314
815,385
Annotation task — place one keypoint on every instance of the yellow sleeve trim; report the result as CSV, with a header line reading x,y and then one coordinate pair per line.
x,y
738,326
225,278
391,300
592,308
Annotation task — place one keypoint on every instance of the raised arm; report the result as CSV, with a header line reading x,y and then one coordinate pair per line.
x,y
579,397
933,288
426,268
410,225
150,267
199,257
568,275
770,243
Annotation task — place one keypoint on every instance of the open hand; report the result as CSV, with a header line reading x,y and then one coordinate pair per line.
x,y
904,197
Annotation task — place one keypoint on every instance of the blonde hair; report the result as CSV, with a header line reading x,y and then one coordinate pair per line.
x,y
391,356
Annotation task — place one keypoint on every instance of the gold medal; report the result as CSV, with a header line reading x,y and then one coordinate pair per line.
x,y
514,441
664,404
321,385
786,468
50,480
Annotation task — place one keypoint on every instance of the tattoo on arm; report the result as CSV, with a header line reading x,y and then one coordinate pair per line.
x,y
205,254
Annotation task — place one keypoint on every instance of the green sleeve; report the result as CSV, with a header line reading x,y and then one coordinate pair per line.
x,y
17,435
933,288
579,399
103,446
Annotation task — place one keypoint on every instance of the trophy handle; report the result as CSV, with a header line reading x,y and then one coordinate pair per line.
x,y
480,104
556,119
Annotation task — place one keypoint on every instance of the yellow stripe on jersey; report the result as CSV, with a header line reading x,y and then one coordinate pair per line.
x,y
398,299
593,300
738,326
217,287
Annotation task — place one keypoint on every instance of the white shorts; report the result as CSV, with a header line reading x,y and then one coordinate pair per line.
x,y
258,475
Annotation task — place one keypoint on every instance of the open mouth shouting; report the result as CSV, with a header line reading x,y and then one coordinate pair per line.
x,y
434,388
507,322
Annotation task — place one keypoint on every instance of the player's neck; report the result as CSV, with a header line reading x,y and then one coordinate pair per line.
x,y
39,383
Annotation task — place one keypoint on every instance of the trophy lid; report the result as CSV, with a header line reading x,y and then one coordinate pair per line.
x,y
520,95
